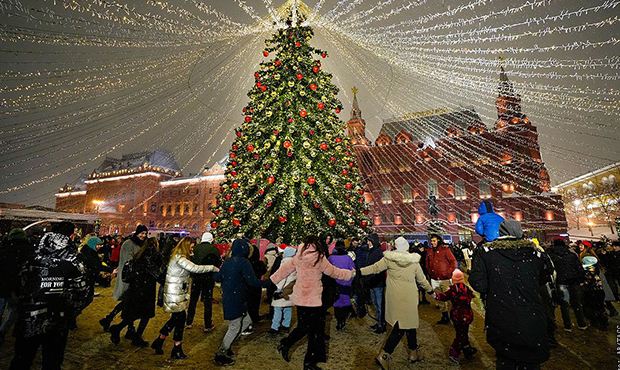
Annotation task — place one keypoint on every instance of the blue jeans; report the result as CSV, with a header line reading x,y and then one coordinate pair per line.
x,y
281,315
376,295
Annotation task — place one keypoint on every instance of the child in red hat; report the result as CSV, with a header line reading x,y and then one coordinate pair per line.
x,y
461,315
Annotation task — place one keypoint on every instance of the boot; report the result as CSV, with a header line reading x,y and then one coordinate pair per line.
x,y
283,350
139,342
131,332
158,345
384,360
470,351
115,334
453,354
444,319
177,352
413,355
223,359
311,366
105,323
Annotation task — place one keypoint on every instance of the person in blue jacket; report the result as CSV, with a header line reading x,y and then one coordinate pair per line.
x,y
488,223
236,275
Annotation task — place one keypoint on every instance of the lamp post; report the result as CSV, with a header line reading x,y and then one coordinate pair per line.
x,y
576,204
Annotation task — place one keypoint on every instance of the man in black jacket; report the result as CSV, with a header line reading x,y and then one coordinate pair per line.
x,y
205,253
570,275
509,272
53,291
370,253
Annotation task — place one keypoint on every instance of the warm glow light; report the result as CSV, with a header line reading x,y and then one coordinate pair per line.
x,y
98,202
474,217
577,202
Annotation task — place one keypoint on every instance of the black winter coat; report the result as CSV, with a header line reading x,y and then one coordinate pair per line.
x,y
236,275
509,274
140,296
366,257
567,266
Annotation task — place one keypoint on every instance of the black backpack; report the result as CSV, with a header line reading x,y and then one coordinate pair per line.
x,y
129,272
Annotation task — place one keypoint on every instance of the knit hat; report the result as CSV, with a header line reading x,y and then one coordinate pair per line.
x,y
140,229
510,229
374,239
401,244
93,242
289,252
587,243
588,261
17,234
457,276
207,237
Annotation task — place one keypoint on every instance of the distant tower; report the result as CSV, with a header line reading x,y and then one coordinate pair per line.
x,y
356,126
508,103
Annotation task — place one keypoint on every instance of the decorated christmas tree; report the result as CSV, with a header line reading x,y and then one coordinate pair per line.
x,y
291,169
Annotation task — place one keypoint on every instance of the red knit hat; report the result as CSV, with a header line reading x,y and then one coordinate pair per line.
x,y
458,277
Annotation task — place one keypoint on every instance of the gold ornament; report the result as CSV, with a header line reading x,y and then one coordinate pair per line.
x,y
291,84
267,145
306,145
274,94
269,113
307,219
276,77
302,93
299,59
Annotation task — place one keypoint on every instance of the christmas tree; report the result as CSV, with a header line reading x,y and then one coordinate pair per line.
x,y
291,169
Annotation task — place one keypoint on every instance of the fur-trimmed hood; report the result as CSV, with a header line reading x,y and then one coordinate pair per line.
x,y
401,258
513,249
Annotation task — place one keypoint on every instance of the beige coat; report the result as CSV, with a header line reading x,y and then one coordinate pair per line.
x,y
401,292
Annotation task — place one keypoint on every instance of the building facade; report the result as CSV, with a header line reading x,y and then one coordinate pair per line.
x,y
452,158
592,202
144,188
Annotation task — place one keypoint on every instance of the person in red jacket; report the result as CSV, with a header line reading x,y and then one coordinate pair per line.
x,y
440,263
461,314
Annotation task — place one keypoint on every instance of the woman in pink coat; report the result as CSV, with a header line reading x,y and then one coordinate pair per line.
x,y
310,263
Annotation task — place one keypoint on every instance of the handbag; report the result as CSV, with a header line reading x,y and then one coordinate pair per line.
x,y
128,272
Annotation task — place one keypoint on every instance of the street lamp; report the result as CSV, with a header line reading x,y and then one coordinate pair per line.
x,y
576,204
98,203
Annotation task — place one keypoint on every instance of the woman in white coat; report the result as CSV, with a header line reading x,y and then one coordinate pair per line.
x,y
176,295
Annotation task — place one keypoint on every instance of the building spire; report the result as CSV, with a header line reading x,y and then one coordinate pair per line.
x,y
505,87
356,112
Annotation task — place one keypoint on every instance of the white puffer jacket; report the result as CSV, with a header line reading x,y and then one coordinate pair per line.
x,y
176,289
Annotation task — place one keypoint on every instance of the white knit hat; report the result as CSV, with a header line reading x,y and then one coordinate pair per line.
x,y
401,244
207,237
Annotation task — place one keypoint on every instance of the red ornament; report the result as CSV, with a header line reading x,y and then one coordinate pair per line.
x,y
235,147
290,120
256,75
232,155
238,133
303,113
216,212
256,155
233,173
282,219
277,63
361,200
338,110
269,204
276,132
297,44
265,53
338,140
323,146
287,144
305,193
366,212
299,76
351,164
234,185
321,105
331,222
316,205
250,148
248,119
316,69
289,153
263,88
267,166
236,222
231,209
360,192
323,55
227,196
311,132
348,186
261,191
345,172
258,84
364,223
311,180
271,179
332,158
214,225
312,87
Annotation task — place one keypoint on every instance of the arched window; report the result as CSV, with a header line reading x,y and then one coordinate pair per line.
x,y
484,187
386,195
433,188
407,194
459,190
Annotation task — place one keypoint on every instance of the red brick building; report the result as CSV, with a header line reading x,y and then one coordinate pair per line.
x,y
453,156
144,188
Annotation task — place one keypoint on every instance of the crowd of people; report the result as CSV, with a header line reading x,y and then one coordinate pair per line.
x,y
47,283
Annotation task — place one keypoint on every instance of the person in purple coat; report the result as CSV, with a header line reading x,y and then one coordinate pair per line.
x,y
342,305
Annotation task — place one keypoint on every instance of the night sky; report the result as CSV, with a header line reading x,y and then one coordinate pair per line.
x,y
77,87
